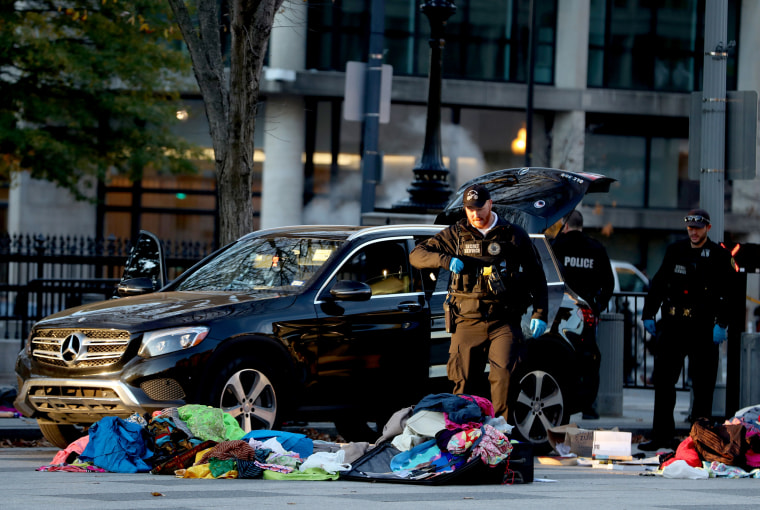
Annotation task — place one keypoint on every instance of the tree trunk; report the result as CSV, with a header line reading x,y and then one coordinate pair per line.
x,y
230,105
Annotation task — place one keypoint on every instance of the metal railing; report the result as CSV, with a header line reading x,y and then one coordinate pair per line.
x,y
639,345
40,275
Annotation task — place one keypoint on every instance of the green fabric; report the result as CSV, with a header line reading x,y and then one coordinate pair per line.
x,y
210,423
283,460
218,467
314,473
232,429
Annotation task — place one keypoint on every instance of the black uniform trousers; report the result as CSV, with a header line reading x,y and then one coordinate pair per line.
x,y
679,338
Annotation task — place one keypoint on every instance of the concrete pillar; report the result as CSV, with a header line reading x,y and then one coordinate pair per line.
x,y
282,182
570,71
745,195
609,400
42,208
750,364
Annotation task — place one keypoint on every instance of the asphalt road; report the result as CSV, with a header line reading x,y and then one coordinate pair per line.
x,y
566,487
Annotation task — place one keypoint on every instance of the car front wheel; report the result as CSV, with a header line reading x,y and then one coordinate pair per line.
x,y
538,406
60,436
249,395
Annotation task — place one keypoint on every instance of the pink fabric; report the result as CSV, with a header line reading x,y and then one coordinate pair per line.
x,y
493,447
752,458
77,446
485,405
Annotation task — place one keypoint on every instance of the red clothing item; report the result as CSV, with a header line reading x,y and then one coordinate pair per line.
x,y
686,452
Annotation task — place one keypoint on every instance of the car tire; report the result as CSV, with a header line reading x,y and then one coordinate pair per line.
x,y
539,404
249,393
60,436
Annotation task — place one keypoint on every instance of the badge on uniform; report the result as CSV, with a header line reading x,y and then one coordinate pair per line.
x,y
472,248
494,249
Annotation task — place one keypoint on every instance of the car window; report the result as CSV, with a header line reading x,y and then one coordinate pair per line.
x,y
384,266
629,280
280,264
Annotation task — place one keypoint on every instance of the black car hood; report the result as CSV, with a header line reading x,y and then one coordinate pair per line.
x,y
534,198
165,309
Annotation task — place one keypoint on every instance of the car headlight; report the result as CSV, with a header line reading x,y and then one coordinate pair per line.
x,y
163,341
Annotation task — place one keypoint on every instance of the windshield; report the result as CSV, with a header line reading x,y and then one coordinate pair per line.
x,y
281,264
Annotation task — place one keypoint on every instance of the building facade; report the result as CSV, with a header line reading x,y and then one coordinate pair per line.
x,y
611,89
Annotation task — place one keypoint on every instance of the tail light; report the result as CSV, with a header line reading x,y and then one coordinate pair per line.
x,y
589,319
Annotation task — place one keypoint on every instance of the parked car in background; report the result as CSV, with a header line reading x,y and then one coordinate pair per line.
x,y
628,278
310,322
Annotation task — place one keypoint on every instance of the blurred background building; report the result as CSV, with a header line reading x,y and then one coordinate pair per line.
x,y
611,94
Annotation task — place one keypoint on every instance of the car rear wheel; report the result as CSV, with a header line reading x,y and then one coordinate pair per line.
x,y
538,406
60,436
248,394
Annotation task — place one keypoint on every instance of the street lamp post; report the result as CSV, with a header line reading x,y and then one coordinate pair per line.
x,y
430,188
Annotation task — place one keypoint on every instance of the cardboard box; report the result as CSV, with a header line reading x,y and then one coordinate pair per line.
x,y
580,441
610,444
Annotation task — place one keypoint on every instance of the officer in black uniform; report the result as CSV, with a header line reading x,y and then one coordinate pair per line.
x,y
497,274
691,290
587,270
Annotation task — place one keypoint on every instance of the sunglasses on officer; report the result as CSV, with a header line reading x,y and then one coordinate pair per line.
x,y
692,218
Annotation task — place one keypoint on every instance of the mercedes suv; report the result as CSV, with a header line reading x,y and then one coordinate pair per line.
x,y
310,322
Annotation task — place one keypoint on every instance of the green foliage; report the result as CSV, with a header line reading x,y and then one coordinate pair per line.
x,y
90,88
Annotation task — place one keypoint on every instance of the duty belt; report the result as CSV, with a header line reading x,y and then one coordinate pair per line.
x,y
676,311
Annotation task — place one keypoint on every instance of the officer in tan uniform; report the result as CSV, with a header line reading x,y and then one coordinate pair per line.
x,y
497,274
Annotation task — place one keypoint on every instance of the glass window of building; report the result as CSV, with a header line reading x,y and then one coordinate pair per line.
x,y
620,157
485,39
643,45
651,170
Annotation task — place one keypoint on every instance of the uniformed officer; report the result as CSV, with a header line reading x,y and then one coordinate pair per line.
x,y
587,270
691,290
496,275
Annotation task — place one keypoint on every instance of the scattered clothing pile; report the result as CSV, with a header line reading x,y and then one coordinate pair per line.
x,y
445,438
728,450
196,441
443,434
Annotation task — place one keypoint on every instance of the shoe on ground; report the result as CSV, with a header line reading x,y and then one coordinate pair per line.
x,y
590,414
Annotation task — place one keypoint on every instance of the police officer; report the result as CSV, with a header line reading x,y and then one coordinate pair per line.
x,y
691,290
497,274
587,270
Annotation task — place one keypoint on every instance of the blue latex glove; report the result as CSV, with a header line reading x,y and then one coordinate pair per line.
x,y
456,265
537,327
719,334
649,326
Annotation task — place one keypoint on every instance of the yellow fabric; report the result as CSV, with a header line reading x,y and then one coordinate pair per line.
x,y
200,454
202,471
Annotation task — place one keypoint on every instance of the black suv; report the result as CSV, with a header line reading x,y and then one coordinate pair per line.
x,y
310,322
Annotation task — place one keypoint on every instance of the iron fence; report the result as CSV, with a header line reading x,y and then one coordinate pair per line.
x,y
40,275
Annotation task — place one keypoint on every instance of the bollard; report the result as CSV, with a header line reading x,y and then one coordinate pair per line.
x,y
749,394
609,336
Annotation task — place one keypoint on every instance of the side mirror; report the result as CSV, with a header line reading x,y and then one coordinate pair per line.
x,y
349,290
135,287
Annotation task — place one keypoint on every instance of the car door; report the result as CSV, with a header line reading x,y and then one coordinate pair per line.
x,y
145,269
373,352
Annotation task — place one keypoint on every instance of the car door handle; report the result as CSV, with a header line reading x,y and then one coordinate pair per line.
x,y
409,306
